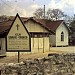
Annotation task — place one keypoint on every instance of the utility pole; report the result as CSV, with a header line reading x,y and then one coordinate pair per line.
x,y
44,11
43,31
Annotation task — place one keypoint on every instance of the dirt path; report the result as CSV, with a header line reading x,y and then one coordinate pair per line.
x,y
14,59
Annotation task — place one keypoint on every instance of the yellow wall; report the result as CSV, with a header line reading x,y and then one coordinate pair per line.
x,y
34,27
39,44
61,28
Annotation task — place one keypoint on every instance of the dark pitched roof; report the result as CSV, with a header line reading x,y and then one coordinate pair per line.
x,y
5,25
41,22
48,24
51,25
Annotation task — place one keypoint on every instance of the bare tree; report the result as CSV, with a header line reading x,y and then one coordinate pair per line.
x,y
3,18
39,13
55,14
72,24
49,14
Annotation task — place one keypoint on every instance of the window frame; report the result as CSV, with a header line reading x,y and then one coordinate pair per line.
x,y
62,36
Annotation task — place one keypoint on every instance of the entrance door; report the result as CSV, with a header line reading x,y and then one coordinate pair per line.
x,y
35,42
40,43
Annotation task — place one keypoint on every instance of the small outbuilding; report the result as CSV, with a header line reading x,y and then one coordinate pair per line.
x,y
61,36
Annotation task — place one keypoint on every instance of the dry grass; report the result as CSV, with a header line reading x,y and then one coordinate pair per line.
x,y
14,59
24,56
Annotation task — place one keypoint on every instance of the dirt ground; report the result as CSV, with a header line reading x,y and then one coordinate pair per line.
x,y
24,56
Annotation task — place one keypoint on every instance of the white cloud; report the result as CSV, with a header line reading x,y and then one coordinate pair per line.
x,y
54,5
67,6
32,9
21,11
11,8
34,6
28,7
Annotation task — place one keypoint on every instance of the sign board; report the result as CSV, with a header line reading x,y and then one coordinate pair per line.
x,y
18,38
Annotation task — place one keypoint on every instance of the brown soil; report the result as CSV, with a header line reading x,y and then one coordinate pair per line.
x,y
23,57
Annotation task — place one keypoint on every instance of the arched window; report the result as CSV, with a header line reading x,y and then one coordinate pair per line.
x,y
62,36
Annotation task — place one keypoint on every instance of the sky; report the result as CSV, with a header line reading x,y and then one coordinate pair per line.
x,y
26,8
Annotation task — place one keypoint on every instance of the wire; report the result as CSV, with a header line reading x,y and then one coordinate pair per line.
x,y
9,5
6,4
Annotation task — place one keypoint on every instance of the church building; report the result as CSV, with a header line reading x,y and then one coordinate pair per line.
x,y
43,33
